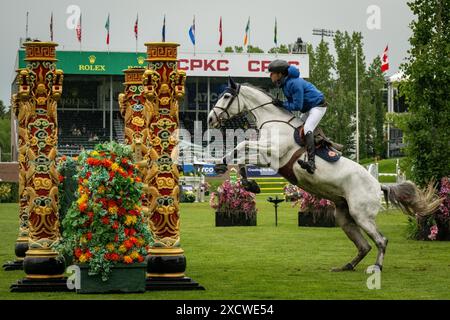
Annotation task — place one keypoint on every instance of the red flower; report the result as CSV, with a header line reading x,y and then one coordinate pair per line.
x,y
122,211
93,162
128,244
88,253
106,163
133,239
88,174
140,258
78,252
111,175
115,226
105,220
114,256
137,179
89,235
61,178
116,238
82,206
90,215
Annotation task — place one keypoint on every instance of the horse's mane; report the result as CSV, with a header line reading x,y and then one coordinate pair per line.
x,y
259,89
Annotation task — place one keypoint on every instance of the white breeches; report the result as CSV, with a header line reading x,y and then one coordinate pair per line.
x,y
312,118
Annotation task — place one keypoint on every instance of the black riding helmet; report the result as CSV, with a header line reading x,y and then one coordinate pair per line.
x,y
279,66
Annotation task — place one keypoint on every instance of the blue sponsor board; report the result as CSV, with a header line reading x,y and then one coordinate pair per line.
x,y
253,171
206,169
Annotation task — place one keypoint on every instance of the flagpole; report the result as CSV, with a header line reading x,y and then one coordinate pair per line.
x,y
357,108
26,28
195,36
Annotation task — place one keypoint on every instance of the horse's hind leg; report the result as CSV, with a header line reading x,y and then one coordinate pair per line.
x,y
346,222
367,223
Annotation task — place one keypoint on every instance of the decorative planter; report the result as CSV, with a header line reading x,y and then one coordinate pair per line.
x,y
234,219
318,218
124,278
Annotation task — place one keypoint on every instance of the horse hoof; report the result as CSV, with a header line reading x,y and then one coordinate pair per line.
x,y
251,186
347,267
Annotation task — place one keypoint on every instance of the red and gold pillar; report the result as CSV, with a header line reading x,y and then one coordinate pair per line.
x,y
22,113
136,114
40,87
163,90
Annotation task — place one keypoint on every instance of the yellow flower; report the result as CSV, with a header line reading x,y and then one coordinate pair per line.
x,y
122,249
94,153
134,255
131,180
112,210
130,220
85,181
141,241
110,247
82,199
101,189
114,166
82,258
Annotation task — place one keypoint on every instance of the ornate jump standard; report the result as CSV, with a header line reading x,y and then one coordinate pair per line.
x,y
39,89
163,88
22,113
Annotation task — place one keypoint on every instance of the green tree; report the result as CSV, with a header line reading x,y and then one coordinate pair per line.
x,y
3,109
228,49
254,49
281,49
5,131
238,49
427,70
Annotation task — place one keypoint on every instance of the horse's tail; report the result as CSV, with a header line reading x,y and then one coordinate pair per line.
x,y
411,200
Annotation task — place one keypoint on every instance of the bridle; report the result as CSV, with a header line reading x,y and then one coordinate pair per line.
x,y
234,92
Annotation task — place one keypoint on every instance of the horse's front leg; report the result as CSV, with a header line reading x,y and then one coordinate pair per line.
x,y
242,154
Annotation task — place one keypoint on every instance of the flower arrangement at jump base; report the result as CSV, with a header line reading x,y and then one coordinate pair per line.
x,y
435,226
105,226
233,204
314,211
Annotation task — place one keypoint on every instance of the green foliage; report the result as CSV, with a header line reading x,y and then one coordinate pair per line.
x,y
5,138
105,225
9,192
67,169
228,49
281,49
254,49
425,129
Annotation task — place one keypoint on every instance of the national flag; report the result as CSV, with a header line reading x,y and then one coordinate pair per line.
x,y
136,27
385,61
275,33
192,32
220,31
51,27
78,29
164,30
107,30
247,31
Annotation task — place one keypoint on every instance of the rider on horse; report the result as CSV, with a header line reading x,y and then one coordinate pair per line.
x,y
301,96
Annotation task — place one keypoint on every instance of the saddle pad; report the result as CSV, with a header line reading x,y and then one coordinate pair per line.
x,y
323,150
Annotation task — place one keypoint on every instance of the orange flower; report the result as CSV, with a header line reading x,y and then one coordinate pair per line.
x,y
82,206
127,259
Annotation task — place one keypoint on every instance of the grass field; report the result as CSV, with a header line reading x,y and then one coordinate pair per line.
x,y
284,262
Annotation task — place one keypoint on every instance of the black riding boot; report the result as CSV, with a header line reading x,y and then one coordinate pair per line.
x,y
310,165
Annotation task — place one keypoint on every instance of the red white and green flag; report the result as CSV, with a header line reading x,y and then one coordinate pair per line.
x,y
136,26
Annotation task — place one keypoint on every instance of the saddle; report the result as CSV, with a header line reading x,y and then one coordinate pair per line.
x,y
326,149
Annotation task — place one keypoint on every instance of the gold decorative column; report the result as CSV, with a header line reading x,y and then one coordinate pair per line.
x,y
163,90
136,114
22,112
40,87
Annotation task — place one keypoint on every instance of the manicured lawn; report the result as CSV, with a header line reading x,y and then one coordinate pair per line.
x,y
284,262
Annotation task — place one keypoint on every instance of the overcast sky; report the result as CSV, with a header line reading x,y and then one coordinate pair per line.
x,y
295,18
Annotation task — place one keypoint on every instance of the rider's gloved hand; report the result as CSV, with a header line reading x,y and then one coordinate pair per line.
x,y
278,103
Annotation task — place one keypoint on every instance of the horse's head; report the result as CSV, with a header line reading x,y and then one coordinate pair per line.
x,y
228,105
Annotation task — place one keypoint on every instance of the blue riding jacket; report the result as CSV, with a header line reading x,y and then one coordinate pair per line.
x,y
301,95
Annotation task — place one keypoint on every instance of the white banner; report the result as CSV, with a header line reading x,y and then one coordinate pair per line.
x,y
237,65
